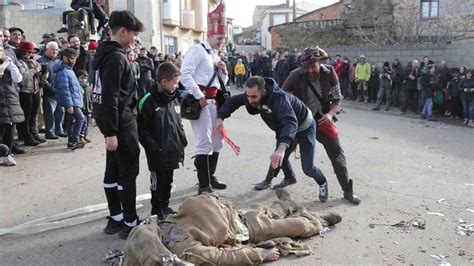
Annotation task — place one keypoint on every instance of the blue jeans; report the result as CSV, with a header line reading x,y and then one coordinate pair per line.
x,y
59,119
427,107
307,141
468,107
344,82
85,125
74,123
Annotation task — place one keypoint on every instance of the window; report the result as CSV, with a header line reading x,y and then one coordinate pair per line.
x,y
170,45
278,19
429,9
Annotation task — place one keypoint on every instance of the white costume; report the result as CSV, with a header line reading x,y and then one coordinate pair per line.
x,y
197,69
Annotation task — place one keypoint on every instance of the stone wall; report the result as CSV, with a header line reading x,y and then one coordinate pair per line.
x,y
456,54
301,34
326,13
32,22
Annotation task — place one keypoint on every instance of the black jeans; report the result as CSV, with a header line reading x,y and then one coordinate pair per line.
x,y
6,135
121,171
29,103
396,87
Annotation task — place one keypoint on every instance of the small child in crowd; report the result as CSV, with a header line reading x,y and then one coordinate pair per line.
x,y
162,135
83,78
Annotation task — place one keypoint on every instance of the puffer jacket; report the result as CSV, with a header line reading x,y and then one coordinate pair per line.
x,y
466,89
10,109
68,89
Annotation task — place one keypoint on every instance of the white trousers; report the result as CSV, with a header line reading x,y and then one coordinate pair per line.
x,y
206,143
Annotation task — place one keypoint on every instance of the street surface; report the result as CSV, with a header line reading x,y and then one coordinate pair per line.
x,y
401,166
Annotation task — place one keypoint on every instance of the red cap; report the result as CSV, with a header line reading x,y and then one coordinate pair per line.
x,y
27,46
93,45
217,21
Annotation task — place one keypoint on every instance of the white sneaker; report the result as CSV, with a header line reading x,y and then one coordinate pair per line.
x,y
9,161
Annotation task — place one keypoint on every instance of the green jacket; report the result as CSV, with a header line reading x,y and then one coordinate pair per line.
x,y
363,71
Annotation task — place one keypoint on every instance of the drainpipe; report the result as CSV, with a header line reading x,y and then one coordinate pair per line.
x,y
161,27
294,10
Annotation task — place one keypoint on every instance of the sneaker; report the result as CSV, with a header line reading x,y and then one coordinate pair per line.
x,y
264,184
215,184
209,191
31,142
430,118
466,121
62,135
40,140
113,226
9,161
126,230
74,146
323,192
17,150
87,140
375,109
168,211
62,30
51,137
351,197
423,116
159,214
285,182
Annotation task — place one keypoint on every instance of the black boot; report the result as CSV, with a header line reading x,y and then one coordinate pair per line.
x,y
212,169
268,179
204,177
350,196
156,208
167,210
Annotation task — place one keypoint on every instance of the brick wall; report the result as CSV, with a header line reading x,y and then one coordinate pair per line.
x,y
326,13
33,23
456,54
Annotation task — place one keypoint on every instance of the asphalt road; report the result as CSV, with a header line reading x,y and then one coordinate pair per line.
x,y
401,167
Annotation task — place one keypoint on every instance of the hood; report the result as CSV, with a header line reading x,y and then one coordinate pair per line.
x,y
105,49
58,66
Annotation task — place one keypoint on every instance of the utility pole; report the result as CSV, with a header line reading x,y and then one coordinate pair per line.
x,y
294,10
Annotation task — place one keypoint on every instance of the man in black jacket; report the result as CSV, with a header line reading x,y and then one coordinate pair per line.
x,y
146,73
291,120
84,59
114,97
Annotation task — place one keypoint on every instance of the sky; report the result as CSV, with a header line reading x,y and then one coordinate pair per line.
x,y
242,10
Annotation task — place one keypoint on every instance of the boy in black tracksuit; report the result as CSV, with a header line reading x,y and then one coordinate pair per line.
x,y
162,135
114,99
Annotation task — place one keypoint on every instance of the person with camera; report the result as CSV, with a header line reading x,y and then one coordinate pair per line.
x,y
386,80
10,109
30,92
411,76
201,70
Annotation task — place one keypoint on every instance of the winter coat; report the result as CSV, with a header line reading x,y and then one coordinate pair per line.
x,y
146,68
280,110
87,98
239,69
10,109
374,81
427,84
469,85
31,79
83,62
299,86
160,129
411,84
76,4
397,73
362,71
386,78
68,90
282,70
453,88
338,67
47,81
114,93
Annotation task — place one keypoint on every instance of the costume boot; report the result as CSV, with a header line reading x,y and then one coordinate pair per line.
x,y
204,177
271,173
350,196
212,169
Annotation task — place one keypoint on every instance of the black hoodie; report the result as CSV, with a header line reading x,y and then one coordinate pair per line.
x,y
114,93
